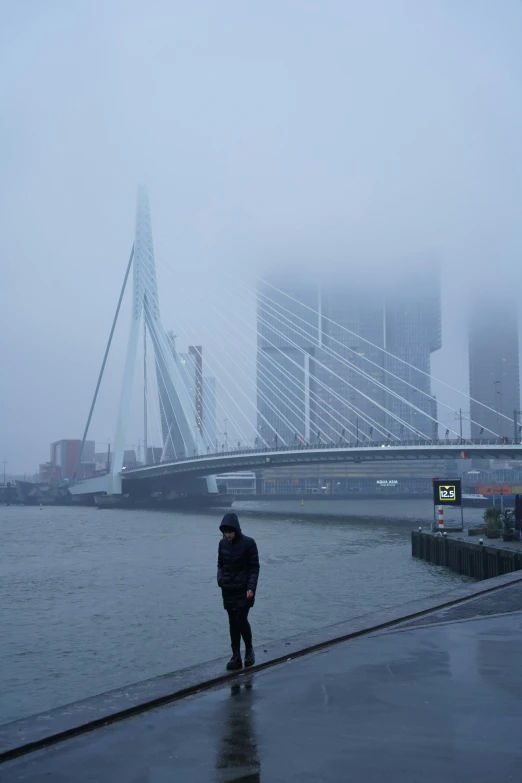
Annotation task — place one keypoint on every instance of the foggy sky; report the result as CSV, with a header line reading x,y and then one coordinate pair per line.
x,y
329,134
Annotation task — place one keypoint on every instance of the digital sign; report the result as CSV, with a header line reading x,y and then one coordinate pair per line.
x,y
447,492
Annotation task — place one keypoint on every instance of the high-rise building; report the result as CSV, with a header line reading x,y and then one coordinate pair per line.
x,y
209,413
154,454
351,385
494,372
201,393
196,356
327,357
412,334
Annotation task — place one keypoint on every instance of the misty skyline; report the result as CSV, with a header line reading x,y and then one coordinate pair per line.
x,y
323,136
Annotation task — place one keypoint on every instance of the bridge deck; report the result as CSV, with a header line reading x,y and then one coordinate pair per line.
x,y
250,459
201,465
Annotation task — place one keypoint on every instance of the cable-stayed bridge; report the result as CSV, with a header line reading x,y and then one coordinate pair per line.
x,y
318,395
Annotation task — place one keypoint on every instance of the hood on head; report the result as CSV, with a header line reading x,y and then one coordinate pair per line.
x,y
231,520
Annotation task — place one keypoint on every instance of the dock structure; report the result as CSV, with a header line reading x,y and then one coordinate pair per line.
x,y
485,560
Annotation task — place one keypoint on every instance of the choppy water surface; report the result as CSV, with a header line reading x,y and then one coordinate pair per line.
x,y
92,600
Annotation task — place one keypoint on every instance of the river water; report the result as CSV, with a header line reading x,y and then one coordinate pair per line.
x,y
92,600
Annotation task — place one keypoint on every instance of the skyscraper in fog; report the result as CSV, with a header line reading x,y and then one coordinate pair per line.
x,y
327,356
350,372
494,378
412,334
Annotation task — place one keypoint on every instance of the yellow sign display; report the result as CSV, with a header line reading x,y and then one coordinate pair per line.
x,y
447,492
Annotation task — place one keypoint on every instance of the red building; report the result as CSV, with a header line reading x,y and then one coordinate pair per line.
x,y
64,455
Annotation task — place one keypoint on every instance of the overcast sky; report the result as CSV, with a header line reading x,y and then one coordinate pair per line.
x,y
315,132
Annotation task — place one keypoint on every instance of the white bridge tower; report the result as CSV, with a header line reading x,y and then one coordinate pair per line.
x,y
179,417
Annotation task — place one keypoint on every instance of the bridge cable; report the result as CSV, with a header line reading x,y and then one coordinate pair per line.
x,y
382,368
275,383
346,424
272,383
374,345
347,383
354,408
361,372
236,426
363,416
100,375
229,415
166,349
164,346
357,370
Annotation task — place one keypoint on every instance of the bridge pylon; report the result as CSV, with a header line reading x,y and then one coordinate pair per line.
x,y
179,423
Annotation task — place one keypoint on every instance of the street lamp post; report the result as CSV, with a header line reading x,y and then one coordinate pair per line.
x,y
225,434
516,426
461,415
499,404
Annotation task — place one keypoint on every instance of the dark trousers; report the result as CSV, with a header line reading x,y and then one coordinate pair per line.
x,y
239,627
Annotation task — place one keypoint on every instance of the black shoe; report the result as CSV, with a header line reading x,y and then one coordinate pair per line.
x,y
250,657
235,662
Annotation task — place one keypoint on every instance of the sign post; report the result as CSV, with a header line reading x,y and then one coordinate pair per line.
x,y
446,492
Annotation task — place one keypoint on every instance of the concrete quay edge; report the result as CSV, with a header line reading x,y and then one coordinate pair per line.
x,y
39,731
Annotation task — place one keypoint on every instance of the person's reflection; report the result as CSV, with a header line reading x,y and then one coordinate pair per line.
x,y
237,758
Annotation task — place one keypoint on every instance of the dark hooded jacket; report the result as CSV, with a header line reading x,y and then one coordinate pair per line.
x,y
238,566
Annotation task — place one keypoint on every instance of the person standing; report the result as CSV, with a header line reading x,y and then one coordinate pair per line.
x,y
237,575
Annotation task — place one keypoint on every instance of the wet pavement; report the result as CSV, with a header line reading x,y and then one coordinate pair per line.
x,y
441,701
497,602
